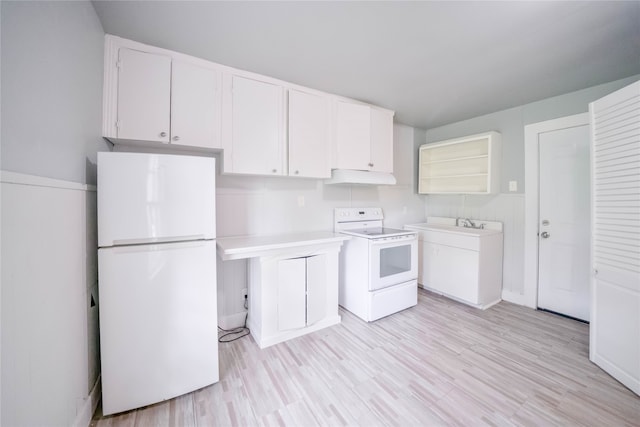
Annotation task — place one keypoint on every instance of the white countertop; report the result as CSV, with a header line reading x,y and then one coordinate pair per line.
x,y
242,247
452,229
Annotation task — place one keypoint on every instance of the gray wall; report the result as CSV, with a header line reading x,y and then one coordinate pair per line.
x,y
510,123
52,55
51,61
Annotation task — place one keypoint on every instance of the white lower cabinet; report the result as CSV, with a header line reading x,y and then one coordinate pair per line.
x,y
292,294
463,266
451,271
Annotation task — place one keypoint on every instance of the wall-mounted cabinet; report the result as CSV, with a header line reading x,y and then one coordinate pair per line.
x,y
255,119
166,100
309,134
157,99
253,127
469,165
363,137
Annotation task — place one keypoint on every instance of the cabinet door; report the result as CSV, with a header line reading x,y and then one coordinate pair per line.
x,y
291,293
381,141
144,92
195,106
257,124
316,288
308,135
353,136
452,271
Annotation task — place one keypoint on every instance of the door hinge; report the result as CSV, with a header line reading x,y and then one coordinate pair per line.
x,y
119,64
118,124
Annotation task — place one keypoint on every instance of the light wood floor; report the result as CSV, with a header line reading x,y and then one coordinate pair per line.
x,y
439,363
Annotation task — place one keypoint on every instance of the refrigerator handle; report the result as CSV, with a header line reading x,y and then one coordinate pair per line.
x,y
125,242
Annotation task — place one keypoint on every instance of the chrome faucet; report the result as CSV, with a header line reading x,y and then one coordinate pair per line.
x,y
466,222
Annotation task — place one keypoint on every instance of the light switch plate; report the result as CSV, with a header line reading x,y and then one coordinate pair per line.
x,y
513,185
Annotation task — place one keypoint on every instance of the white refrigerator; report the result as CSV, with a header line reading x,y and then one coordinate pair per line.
x,y
157,277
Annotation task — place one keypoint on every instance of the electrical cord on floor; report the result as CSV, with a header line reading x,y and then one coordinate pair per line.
x,y
240,330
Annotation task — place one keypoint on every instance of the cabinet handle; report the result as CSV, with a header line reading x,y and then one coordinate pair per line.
x,y
370,165
297,172
163,134
176,138
274,170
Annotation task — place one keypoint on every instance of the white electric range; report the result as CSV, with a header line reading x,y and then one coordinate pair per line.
x,y
378,266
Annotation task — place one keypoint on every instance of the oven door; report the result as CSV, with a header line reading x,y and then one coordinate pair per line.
x,y
393,261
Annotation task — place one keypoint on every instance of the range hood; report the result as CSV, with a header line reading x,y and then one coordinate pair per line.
x,y
349,176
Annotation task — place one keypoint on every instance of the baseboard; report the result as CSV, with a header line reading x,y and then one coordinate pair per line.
x,y
232,321
513,297
85,414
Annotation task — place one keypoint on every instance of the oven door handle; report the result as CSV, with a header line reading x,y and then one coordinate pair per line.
x,y
395,242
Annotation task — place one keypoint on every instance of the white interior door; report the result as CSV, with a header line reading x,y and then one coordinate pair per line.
x,y
563,268
615,303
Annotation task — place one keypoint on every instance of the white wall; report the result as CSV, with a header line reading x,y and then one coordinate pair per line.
x,y
509,207
49,329
51,80
263,206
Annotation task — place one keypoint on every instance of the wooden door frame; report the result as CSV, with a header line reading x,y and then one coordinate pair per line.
x,y
532,197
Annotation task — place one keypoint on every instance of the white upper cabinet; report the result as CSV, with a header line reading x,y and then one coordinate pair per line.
x,y
263,125
353,136
195,106
309,143
154,98
381,140
363,137
255,121
144,96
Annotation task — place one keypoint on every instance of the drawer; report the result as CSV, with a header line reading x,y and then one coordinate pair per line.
x,y
451,239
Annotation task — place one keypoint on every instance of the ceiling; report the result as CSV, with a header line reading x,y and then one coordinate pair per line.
x,y
433,63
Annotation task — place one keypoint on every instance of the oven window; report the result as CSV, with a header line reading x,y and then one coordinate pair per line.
x,y
394,260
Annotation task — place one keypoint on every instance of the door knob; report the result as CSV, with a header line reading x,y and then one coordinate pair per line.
x,y
163,134
176,138
545,235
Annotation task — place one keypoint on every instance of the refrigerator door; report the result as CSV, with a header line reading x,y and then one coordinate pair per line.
x,y
148,198
158,322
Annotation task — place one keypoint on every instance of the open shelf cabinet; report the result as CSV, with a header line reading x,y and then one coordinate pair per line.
x,y
468,165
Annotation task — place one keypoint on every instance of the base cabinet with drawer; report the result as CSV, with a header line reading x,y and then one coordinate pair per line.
x,y
463,266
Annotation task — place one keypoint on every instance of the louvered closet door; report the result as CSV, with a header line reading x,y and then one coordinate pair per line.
x,y
615,298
